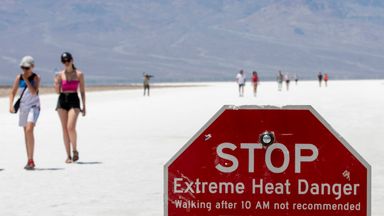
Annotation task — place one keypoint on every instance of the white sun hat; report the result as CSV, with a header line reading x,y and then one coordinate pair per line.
x,y
27,61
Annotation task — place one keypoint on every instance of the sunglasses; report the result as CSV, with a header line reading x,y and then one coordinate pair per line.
x,y
65,61
25,68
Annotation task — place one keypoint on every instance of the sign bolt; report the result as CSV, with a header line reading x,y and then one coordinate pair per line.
x,y
267,138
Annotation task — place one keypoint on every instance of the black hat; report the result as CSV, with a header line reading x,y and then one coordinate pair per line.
x,y
66,56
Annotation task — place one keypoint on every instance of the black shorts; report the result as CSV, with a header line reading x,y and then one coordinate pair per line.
x,y
68,101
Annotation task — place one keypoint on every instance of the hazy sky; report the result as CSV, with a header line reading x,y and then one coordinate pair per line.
x,y
183,40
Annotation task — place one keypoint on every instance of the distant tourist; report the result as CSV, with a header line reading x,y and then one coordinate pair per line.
x,y
326,78
67,84
28,104
240,79
320,78
255,82
147,78
280,79
287,80
296,78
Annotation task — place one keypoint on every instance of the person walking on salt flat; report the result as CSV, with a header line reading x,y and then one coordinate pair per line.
x,y
296,79
326,78
147,78
240,79
67,83
320,78
287,80
255,82
28,104
280,79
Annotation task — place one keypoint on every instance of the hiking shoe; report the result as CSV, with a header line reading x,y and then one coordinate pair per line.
x,y
30,165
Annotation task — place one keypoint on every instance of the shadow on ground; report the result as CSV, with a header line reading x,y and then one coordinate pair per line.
x,y
89,163
48,169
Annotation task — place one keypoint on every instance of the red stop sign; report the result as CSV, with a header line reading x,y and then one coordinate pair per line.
x,y
267,161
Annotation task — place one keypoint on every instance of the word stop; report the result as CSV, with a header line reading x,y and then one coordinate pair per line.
x,y
252,147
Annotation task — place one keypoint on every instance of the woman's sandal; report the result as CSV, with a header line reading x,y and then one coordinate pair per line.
x,y
69,160
75,156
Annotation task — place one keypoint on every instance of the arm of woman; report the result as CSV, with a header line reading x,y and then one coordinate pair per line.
x,y
12,94
82,93
57,83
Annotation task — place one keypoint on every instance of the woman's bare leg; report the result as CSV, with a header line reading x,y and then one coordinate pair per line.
x,y
30,139
25,139
71,127
63,114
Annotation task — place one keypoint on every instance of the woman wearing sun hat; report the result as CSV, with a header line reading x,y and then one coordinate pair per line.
x,y
28,104
67,84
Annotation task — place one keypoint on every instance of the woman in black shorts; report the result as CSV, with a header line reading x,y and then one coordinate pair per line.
x,y
67,84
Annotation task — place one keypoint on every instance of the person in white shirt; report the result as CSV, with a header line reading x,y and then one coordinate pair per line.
x,y
240,79
287,80
280,79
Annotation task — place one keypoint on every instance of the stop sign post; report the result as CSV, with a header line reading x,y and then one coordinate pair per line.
x,y
267,161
